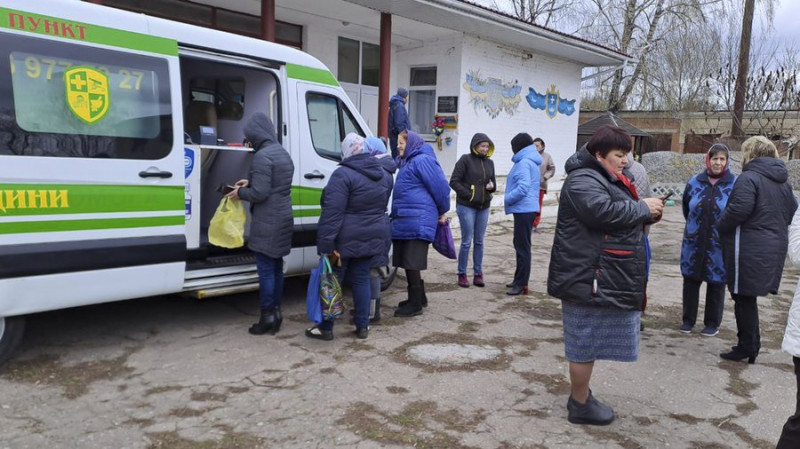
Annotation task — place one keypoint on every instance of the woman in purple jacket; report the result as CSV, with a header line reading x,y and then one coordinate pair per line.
x,y
420,199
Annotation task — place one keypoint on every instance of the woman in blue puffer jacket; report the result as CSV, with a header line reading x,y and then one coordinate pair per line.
x,y
420,199
522,200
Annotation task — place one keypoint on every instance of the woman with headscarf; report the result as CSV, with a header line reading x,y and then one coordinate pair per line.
x,y
420,200
354,223
754,231
522,200
704,199
473,181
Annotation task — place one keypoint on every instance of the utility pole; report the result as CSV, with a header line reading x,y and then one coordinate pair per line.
x,y
743,69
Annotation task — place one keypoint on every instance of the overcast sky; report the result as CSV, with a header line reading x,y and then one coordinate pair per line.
x,y
787,22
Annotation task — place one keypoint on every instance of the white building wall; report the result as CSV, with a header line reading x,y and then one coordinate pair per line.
x,y
445,54
490,60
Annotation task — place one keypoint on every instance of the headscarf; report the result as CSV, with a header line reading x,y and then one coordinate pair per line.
x,y
717,148
352,145
374,146
413,143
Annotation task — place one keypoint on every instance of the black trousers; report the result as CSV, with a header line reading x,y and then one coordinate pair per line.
x,y
790,437
715,302
746,310
523,226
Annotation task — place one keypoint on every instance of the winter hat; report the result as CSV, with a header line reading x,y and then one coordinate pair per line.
x,y
403,92
713,151
374,146
521,141
352,145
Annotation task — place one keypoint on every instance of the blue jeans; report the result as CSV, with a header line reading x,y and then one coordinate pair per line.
x,y
358,273
270,281
473,228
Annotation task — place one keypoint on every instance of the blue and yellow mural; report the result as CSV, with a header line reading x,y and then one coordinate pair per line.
x,y
493,94
550,102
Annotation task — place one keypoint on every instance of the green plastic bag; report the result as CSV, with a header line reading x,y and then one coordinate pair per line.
x,y
330,292
227,225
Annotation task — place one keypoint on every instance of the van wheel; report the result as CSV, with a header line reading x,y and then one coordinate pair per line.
x,y
388,274
11,330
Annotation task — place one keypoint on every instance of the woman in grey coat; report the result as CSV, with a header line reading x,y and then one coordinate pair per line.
x,y
269,191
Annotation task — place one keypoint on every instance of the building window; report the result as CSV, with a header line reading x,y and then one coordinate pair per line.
x,y
358,62
422,98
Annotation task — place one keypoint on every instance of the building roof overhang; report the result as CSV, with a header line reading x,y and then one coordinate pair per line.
x,y
472,19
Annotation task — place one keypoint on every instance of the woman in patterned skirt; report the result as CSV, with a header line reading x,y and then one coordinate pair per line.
x,y
597,265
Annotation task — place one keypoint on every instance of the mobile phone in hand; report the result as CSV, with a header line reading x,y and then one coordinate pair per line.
x,y
225,189
665,198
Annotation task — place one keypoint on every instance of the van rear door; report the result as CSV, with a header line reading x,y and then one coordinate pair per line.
x,y
91,170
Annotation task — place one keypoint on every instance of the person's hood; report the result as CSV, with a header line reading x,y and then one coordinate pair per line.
x,y
396,98
366,165
529,152
769,167
387,163
260,131
413,144
478,138
374,146
583,159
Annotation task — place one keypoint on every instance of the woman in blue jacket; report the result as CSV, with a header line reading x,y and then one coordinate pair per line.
x,y
420,199
704,200
522,200
354,223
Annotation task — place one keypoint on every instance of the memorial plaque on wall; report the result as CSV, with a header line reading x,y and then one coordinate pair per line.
x,y
447,105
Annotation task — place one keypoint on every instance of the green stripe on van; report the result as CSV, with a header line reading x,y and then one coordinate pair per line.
x,y
57,199
305,73
298,213
85,32
306,196
86,225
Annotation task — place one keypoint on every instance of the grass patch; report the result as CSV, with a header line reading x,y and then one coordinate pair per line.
x,y
74,379
164,389
230,440
208,396
357,345
556,384
469,327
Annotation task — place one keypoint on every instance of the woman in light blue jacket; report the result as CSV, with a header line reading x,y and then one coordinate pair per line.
x,y
522,200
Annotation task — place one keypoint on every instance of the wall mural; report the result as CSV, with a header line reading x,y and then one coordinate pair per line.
x,y
550,102
493,94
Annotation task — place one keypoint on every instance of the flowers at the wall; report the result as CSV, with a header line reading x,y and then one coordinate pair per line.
x,y
493,94
437,127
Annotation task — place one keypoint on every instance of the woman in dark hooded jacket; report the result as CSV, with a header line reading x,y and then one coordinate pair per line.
x,y
704,199
354,223
754,230
473,181
269,191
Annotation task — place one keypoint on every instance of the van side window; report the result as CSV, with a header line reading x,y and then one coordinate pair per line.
x,y
329,121
65,100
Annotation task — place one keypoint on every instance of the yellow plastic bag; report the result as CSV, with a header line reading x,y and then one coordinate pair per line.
x,y
227,225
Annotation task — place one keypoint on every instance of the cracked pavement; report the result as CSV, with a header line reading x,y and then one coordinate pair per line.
x,y
170,372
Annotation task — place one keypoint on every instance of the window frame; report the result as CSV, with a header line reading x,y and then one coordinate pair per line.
x,y
341,109
360,70
427,87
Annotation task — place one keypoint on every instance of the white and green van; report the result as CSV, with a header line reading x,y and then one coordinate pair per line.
x,y
116,132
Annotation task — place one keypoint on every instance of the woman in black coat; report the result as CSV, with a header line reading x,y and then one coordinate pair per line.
x,y
754,231
597,265
354,223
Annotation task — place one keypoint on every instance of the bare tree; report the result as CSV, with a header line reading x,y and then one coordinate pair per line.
x,y
539,12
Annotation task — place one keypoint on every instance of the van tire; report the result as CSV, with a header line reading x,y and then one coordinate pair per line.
x,y
388,273
11,331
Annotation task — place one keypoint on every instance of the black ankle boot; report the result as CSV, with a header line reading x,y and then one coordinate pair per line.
x,y
413,306
265,324
737,353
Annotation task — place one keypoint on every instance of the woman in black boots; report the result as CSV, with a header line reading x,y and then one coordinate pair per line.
x,y
421,197
754,231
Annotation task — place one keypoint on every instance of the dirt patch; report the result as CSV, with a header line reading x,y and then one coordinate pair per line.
x,y
420,424
737,385
305,362
684,418
609,435
542,309
396,390
359,346
238,390
207,396
729,426
140,422
75,380
469,327
230,440
186,412
164,389
556,384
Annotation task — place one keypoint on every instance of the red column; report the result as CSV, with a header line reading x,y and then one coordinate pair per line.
x,y
385,68
268,20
